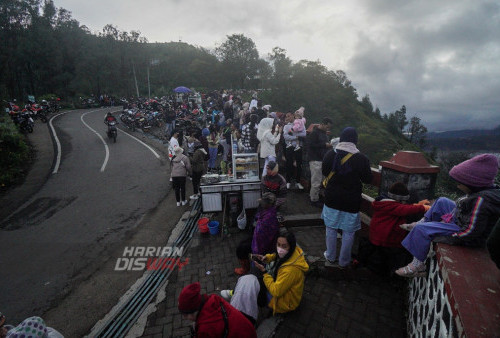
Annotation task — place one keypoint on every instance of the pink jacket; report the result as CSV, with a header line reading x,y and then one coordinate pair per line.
x,y
299,125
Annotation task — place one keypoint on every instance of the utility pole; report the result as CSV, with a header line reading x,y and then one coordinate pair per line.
x,y
149,86
135,79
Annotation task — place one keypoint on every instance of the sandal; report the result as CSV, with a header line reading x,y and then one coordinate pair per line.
x,y
409,271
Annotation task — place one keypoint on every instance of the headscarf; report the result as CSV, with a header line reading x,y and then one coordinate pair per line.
x,y
347,144
265,125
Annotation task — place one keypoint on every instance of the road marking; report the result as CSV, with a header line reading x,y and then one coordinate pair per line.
x,y
144,144
58,144
106,158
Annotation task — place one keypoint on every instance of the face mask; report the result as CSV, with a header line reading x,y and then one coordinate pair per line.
x,y
281,252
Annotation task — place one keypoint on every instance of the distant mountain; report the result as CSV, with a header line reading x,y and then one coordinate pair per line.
x,y
465,140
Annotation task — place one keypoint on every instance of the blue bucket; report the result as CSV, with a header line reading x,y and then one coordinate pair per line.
x,y
213,227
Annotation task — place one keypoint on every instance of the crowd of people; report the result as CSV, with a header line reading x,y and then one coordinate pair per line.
x,y
272,265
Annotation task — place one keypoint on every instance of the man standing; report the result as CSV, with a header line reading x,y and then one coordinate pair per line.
x,y
317,144
212,315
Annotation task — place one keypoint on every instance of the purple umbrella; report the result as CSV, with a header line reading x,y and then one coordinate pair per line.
x,y
182,90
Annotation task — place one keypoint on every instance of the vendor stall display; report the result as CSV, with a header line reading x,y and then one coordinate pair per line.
x,y
244,179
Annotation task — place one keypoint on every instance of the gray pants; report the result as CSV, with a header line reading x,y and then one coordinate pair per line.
x,y
316,179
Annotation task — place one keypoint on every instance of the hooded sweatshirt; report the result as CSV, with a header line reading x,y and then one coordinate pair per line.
x,y
387,215
289,284
210,321
476,215
181,166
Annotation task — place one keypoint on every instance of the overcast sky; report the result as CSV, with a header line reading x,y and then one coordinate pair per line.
x,y
439,58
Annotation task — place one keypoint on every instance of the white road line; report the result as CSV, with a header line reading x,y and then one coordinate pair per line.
x,y
144,144
106,158
58,144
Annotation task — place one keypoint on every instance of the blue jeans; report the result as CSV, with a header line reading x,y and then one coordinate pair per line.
x,y
212,152
345,249
418,241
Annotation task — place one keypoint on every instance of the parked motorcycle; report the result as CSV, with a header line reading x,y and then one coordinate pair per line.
x,y
25,122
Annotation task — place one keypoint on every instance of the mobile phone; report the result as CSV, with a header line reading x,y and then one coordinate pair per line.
x,y
257,260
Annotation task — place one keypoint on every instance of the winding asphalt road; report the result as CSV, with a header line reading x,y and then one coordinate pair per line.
x,y
97,192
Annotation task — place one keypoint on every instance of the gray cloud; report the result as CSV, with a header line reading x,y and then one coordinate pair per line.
x,y
439,58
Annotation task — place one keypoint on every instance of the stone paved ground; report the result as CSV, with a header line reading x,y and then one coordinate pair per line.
x,y
349,303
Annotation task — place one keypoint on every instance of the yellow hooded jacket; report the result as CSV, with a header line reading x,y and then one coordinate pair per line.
x,y
289,284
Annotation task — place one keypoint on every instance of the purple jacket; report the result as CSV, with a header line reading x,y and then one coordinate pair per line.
x,y
266,232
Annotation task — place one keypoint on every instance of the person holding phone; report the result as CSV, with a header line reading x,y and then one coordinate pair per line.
x,y
284,273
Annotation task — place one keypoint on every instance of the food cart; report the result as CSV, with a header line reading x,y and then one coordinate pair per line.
x,y
244,180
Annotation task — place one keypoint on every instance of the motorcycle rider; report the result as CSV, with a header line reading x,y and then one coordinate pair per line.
x,y
108,119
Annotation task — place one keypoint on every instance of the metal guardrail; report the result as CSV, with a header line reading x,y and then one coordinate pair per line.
x,y
131,310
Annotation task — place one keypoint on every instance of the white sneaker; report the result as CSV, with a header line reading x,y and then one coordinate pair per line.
x,y
194,197
227,294
288,185
178,204
300,186
184,202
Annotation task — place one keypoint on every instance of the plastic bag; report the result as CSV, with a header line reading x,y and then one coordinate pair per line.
x,y
242,220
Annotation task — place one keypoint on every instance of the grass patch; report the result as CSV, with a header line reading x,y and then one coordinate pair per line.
x,y
15,154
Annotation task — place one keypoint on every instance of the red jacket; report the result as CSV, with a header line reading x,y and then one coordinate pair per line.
x,y
387,216
210,321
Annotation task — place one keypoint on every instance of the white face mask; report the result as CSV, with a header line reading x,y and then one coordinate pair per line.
x,y
281,252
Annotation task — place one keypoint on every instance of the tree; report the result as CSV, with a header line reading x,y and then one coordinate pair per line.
x,y
239,56
400,118
416,131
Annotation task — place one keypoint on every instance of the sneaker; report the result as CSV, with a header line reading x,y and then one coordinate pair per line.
x,y
288,185
300,186
194,197
329,263
184,202
297,148
227,294
178,204
289,146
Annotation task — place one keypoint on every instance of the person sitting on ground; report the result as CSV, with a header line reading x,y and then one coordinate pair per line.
x,y
264,235
244,296
267,226
274,183
468,221
284,273
389,212
212,316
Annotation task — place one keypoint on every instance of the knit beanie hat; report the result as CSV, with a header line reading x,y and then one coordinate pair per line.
x,y
349,134
479,171
399,192
205,132
178,150
190,298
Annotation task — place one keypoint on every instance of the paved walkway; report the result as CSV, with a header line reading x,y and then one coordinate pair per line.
x,y
347,303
